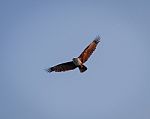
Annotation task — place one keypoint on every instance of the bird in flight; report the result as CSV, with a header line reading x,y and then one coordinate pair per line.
x,y
77,62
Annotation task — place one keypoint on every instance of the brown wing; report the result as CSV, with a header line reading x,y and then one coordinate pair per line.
x,y
62,67
89,50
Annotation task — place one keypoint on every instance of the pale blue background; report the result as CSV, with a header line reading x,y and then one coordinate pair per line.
x,y
35,35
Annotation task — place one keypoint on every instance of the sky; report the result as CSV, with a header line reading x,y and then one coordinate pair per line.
x,y
38,34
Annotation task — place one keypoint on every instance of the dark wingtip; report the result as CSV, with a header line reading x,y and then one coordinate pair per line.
x,y
97,39
48,70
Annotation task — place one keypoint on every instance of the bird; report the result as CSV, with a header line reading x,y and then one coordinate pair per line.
x,y
77,62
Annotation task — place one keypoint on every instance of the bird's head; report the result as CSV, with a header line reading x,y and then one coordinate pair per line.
x,y
77,61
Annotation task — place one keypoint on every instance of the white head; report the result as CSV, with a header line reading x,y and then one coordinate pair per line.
x,y
77,61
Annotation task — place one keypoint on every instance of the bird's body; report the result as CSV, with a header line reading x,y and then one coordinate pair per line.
x,y
79,61
79,64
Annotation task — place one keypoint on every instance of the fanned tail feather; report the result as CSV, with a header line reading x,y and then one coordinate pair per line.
x,y
82,68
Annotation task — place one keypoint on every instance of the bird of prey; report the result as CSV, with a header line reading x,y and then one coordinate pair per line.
x,y
77,62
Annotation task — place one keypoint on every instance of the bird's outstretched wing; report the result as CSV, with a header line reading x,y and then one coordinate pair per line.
x,y
89,50
62,67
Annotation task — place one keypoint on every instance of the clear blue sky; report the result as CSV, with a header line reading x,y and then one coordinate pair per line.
x,y
35,35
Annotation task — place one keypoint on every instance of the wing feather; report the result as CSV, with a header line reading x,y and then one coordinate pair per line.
x,y
62,67
89,50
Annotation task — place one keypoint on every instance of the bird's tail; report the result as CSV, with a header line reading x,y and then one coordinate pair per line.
x,y
82,68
